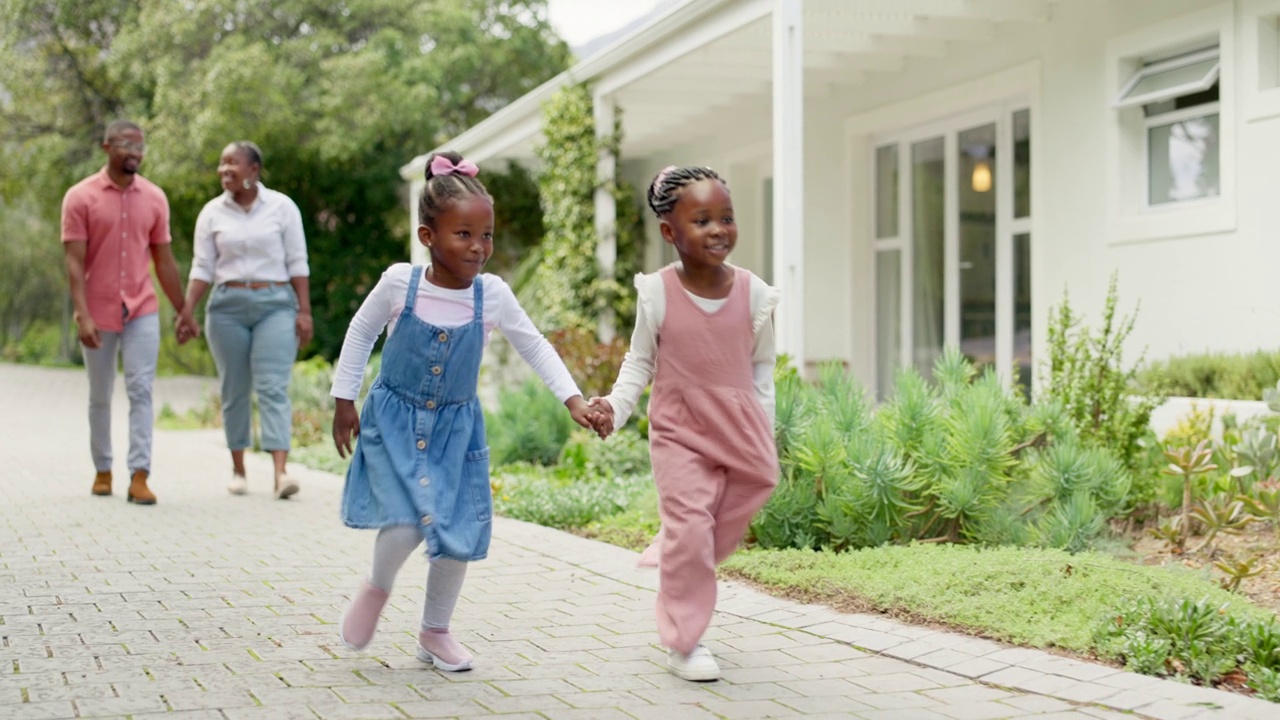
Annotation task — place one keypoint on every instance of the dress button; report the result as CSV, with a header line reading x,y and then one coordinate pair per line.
x,y
435,370
430,403
426,519
422,444
424,482
444,337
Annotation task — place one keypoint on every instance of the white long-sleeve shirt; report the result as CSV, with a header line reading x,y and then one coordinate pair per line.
x,y
640,362
445,308
263,243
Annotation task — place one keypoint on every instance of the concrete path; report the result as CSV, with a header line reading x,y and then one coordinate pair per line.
x,y
221,607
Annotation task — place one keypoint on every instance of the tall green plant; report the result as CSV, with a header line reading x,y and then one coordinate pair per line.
x,y
561,285
1086,372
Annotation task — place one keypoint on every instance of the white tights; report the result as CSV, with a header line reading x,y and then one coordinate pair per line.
x,y
444,577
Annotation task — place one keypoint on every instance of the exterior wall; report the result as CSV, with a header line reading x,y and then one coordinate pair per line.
x,y
1204,290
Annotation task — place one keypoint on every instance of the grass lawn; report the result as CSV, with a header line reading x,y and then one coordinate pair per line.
x,y
1025,596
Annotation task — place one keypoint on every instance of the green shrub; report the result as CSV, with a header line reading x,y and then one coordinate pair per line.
x,y
624,453
530,425
1240,376
964,459
309,388
1087,374
41,344
1195,639
633,528
541,496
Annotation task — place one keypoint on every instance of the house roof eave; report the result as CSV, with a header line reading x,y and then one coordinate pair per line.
x,y
512,124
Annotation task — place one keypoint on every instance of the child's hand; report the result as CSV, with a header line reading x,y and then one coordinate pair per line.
x,y
602,416
346,425
582,414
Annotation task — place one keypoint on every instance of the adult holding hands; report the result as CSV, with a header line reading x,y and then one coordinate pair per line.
x,y
250,249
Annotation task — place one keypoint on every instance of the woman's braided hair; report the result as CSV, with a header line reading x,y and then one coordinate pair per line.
x,y
442,189
665,189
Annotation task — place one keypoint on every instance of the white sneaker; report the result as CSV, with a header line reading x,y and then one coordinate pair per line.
x,y
238,485
285,486
697,666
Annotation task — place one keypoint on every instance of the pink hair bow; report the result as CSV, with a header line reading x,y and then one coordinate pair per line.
x,y
442,165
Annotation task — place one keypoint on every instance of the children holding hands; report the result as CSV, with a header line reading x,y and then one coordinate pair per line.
x,y
420,466
420,463
704,335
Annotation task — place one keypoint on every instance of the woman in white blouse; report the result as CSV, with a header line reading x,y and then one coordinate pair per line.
x,y
249,247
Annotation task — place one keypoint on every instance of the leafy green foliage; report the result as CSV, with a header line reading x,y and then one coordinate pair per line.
x,y
593,364
530,425
1029,596
961,460
292,75
561,286
1087,374
1241,376
1195,639
554,501
624,453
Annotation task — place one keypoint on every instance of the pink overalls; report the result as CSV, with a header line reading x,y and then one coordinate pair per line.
x,y
712,448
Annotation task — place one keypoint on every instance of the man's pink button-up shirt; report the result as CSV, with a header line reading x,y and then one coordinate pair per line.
x,y
120,226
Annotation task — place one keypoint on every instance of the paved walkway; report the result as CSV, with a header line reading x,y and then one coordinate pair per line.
x,y
220,607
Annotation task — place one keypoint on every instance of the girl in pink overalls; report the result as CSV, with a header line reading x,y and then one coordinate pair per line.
x,y
704,334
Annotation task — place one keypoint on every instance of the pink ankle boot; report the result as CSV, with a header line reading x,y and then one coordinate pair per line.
x,y
437,646
361,618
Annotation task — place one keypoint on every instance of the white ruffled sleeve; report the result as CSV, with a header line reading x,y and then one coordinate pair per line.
x,y
641,359
764,298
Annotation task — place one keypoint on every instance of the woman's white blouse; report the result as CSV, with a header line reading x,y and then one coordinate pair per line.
x,y
265,243
641,359
445,308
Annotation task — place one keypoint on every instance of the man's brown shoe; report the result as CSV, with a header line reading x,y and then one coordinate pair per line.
x,y
102,483
138,491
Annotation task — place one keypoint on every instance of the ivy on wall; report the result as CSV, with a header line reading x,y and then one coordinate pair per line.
x,y
560,285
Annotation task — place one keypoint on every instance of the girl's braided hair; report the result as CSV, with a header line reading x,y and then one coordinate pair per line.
x,y
665,189
442,189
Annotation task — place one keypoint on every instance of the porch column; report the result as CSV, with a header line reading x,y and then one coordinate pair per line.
x,y
788,176
606,207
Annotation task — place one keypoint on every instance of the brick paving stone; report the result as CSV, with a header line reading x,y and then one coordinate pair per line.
x,y
979,711
586,714
670,712
824,704
40,711
913,713
201,607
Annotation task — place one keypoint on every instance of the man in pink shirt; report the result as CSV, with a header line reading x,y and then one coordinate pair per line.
x,y
115,223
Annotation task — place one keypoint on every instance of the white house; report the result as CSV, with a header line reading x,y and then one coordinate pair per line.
x,y
916,173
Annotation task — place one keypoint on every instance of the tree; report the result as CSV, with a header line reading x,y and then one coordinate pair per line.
x,y
339,94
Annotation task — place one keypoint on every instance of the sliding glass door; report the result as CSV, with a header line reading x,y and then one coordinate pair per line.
x,y
952,241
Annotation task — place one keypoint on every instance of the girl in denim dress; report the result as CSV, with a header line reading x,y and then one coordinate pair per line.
x,y
420,467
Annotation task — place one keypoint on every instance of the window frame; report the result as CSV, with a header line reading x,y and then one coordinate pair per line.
x,y
1260,49
1168,118
1123,99
1132,218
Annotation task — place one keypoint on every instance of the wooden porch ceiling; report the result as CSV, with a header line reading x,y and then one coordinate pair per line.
x,y
846,42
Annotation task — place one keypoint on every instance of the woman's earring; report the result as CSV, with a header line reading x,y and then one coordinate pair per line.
x,y
245,183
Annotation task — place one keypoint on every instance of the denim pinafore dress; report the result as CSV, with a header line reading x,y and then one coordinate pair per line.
x,y
421,457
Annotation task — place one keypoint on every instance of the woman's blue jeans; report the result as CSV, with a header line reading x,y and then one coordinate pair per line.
x,y
254,342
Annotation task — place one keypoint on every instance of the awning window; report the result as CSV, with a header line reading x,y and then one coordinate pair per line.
x,y
1167,79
